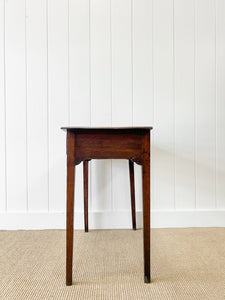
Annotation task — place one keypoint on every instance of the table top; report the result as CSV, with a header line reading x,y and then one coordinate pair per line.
x,y
106,128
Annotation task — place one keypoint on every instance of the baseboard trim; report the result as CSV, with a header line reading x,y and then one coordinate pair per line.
x,y
112,220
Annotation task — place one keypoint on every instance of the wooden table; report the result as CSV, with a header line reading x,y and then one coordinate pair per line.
x,y
84,144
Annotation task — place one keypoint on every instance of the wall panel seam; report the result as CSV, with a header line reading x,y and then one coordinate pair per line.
x,y
216,141
89,41
68,54
26,94
5,110
47,100
153,96
174,112
132,59
110,49
152,181
90,98
195,108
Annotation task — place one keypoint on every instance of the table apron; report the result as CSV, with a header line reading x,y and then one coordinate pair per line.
x,y
104,146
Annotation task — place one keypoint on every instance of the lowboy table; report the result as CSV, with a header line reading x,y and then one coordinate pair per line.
x,y
86,143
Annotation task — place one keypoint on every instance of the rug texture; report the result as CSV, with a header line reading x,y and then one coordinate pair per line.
x,y
108,264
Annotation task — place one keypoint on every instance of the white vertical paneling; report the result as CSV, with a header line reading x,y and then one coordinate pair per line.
x,y
79,63
184,36
37,142
112,63
100,63
79,70
142,63
100,96
2,108
57,100
121,185
143,108
138,186
79,188
220,103
15,83
163,104
205,103
101,185
122,102
121,62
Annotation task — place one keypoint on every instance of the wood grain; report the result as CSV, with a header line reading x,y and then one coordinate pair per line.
x,y
86,144
132,193
70,205
146,205
85,167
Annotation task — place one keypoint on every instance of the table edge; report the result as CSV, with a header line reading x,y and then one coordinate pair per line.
x,y
105,128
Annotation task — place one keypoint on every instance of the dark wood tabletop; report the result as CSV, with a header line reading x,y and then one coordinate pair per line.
x,y
90,127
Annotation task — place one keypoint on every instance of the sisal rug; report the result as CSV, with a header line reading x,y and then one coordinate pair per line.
x,y
108,264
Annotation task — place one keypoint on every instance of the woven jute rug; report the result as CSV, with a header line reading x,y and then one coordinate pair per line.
x,y
108,264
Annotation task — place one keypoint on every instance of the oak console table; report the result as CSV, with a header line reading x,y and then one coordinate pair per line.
x,y
86,143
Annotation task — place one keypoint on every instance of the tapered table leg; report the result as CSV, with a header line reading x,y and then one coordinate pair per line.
x,y
132,193
70,206
146,206
85,167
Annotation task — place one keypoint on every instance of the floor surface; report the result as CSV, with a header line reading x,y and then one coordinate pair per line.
x,y
108,264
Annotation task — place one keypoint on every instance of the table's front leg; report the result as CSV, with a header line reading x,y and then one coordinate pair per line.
x,y
70,205
132,193
146,206
85,172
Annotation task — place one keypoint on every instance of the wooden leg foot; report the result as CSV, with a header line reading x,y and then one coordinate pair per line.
x,y
147,279
68,283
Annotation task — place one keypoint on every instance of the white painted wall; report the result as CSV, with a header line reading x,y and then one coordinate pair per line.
x,y
112,63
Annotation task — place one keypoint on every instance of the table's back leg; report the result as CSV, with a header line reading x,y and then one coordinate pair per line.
x,y
146,206
132,193
70,206
85,168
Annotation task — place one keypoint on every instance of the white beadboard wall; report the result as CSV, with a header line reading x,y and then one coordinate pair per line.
x,y
157,63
